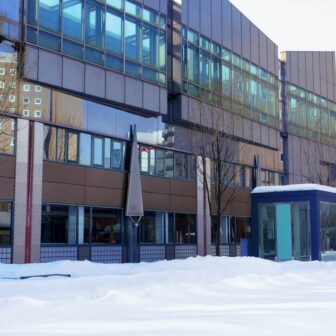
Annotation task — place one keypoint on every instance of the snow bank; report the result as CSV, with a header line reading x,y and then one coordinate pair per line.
x,y
294,187
197,296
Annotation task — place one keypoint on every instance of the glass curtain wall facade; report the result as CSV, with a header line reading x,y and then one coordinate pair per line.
x,y
310,115
216,75
120,35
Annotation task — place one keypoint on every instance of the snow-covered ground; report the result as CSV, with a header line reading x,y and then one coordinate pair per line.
x,y
197,296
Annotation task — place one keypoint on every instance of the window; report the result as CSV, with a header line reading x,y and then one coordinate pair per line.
x,y
49,15
132,38
37,114
2,71
25,113
49,41
149,45
58,224
185,228
94,24
38,101
72,146
98,151
38,88
60,150
12,85
50,142
2,85
106,226
117,155
5,222
152,228
115,3
11,98
144,159
85,149
26,100
26,88
12,72
73,18
107,153
114,32
132,8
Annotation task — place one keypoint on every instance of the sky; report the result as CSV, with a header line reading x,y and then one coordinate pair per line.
x,y
294,24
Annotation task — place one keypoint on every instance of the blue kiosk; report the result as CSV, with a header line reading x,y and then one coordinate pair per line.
x,y
296,221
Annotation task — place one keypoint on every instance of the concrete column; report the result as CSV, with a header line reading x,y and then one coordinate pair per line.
x,y
37,193
203,211
21,186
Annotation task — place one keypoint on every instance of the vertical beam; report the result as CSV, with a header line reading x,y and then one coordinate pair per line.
x,y
36,204
21,191
203,211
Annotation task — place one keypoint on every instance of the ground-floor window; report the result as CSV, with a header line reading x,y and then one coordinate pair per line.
x,y
5,222
168,228
232,229
70,224
328,229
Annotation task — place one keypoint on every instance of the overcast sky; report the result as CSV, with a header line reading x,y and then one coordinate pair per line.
x,y
294,24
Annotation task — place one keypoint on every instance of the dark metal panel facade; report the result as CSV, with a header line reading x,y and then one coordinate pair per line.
x,y
227,24
316,71
194,14
216,21
246,38
236,31
205,18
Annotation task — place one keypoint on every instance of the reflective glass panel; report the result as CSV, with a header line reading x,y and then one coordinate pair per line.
x,y
58,224
94,24
5,222
49,15
132,38
85,149
152,230
106,226
114,32
73,18
98,151
149,45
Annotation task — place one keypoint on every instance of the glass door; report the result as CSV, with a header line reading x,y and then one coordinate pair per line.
x,y
284,231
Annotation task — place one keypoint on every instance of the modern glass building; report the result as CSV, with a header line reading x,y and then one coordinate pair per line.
x,y
76,74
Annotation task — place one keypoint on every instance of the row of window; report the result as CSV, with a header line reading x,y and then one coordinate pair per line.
x,y
25,87
83,148
232,229
127,39
63,224
310,115
94,150
216,75
26,100
168,163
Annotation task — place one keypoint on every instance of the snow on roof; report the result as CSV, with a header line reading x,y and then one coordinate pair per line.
x,y
294,187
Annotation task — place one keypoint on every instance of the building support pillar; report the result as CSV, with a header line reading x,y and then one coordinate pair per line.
x,y
21,191
203,210
36,204
28,192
